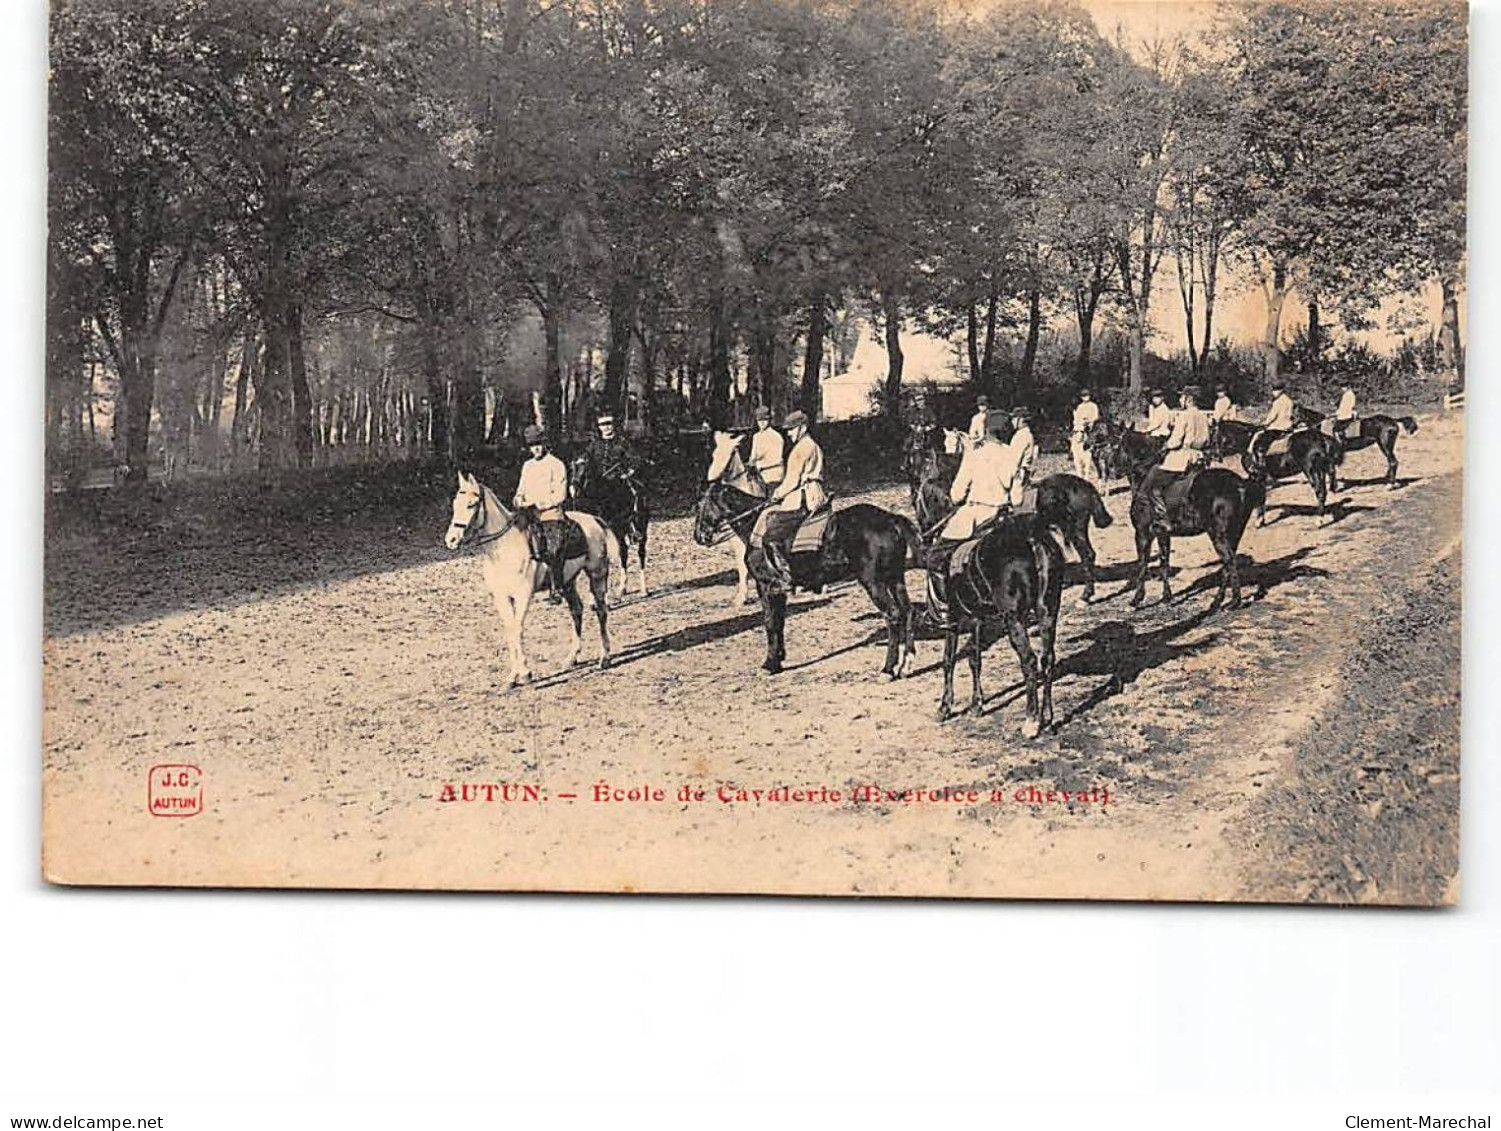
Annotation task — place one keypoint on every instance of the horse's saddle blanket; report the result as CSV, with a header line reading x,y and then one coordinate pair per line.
x,y
809,536
1028,504
960,558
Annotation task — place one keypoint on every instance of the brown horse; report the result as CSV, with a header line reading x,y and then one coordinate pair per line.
x,y
1012,573
863,542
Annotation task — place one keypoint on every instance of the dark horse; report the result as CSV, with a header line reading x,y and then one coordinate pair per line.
x,y
1117,448
862,542
620,503
1309,453
1211,501
1012,573
1064,502
1377,429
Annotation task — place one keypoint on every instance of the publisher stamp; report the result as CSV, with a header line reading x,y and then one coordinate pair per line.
x,y
174,790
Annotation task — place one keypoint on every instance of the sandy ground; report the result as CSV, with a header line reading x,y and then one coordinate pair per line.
x,y
328,711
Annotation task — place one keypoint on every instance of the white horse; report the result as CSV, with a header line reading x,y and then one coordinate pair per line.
x,y
513,576
727,464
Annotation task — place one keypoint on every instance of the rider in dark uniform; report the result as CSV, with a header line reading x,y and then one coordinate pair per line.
x,y
610,455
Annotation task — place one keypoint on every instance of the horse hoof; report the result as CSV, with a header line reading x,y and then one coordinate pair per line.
x,y
771,667
889,677
975,710
604,663
1137,600
943,715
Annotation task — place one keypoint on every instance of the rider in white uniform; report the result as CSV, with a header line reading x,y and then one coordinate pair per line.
x,y
982,486
1159,417
1024,450
1086,415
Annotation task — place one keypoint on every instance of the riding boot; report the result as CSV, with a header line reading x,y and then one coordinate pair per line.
x,y
777,559
1160,519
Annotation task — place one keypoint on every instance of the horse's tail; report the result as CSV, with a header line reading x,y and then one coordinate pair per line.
x,y
908,529
1254,494
1408,423
1102,517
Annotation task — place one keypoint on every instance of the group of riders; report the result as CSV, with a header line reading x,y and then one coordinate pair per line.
x,y
993,477
1187,433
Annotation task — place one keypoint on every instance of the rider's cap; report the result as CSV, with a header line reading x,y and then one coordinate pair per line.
x,y
604,418
1085,394
1156,393
763,413
534,434
1221,389
1021,412
982,402
795,419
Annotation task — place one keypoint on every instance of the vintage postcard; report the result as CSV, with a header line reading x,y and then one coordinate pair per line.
x,y
843,447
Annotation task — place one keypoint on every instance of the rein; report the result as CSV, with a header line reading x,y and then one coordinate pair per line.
x,y
480,511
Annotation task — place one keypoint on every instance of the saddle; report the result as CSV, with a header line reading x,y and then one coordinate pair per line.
x,y
1176,493
810,535
1280,445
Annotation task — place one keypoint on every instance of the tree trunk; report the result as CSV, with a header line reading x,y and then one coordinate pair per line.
x,y
1034,331
812,390
302,399
618,357
1138,348
971,340
891,311
720,384
552,375
1210,278
1453,353
987,359
1315,335
1276,295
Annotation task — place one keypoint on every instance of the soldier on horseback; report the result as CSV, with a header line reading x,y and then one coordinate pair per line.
x,y
610,455
1344,415
1281,418
800,494
1086,415
1183,452
1159,416
1024,450
540,493
768,450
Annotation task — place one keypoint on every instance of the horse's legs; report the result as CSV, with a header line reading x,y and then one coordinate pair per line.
x,y
599,585
641,552
1226,554
1016,630
976,652
950,654
1389,450
1047,631
1315,477
905,624
514,616
1143,563
885,600
1078,538
576,611
1165,541
742,595
774,612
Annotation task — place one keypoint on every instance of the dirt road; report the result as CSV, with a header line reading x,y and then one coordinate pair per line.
x,y
1302,747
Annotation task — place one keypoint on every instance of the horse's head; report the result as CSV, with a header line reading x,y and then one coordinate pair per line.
x,y
710,514
579,470
468,511
726,446
955,442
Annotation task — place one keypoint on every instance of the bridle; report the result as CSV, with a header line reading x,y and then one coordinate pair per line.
x,y
724,525
474,535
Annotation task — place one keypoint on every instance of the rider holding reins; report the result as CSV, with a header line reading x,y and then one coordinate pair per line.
x,y
540,493
800,494
1183,451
